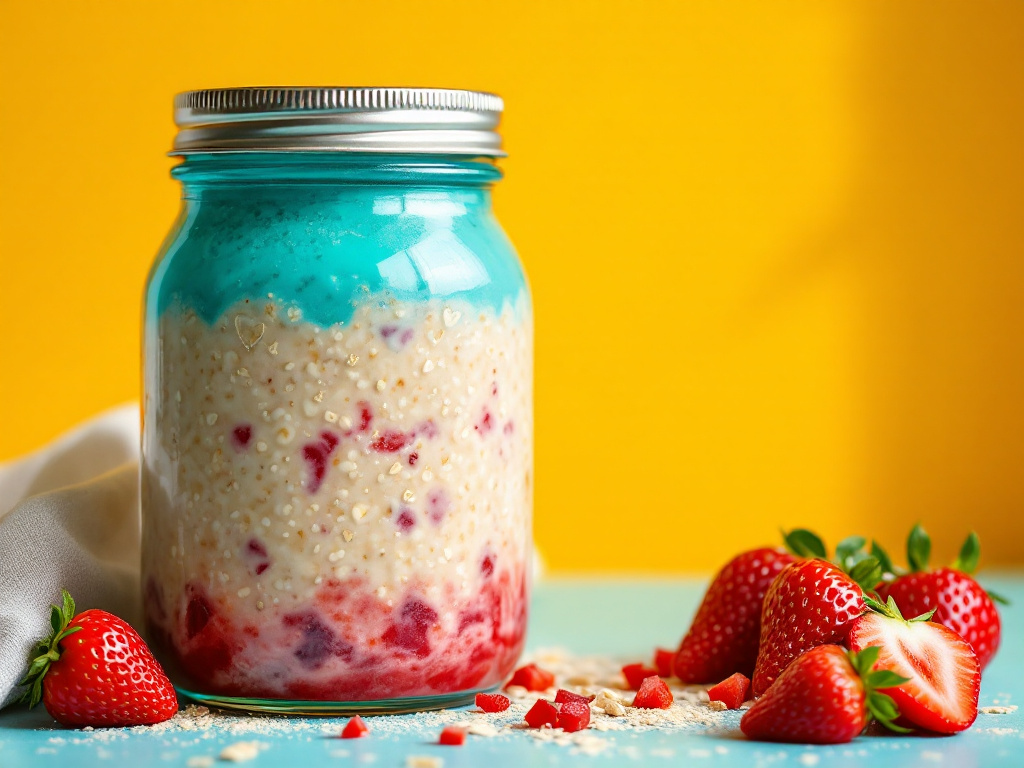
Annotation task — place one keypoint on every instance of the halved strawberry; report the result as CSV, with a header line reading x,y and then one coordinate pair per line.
x,y
732,691
941,693
810,603
723,636
826,696
959,602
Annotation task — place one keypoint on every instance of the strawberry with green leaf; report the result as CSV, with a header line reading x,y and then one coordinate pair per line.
x,y
95,670
827,695
810,603
958,601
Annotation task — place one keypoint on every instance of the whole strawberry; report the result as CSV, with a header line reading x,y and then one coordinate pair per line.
x,y
826,696
724,634
942,676
810,603
959,602
95,670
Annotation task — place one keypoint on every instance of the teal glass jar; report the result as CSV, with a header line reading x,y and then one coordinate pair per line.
x,y
337,440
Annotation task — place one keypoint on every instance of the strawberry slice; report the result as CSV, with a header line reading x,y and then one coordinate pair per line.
x,y
635,674
653,694
941,694
492,702
542,713
532,678
573,715
732,691
452,736
355,728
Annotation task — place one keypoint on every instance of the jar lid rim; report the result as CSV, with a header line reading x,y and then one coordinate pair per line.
x,y
352,119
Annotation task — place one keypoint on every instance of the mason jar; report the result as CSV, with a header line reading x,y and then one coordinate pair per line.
x,y
337,439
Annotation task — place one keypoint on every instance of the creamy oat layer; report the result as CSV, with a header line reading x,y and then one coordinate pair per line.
x,y
342,512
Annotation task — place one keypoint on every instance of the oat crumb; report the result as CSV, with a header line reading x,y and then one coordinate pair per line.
x,y
1004,710
240,751
423,761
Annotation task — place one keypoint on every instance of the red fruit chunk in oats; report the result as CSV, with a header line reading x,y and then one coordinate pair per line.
x,y
453,736
390,441
492,702
542,713
573,716
635,674
653,694
732,691
664,661
355,728
241,435
532,678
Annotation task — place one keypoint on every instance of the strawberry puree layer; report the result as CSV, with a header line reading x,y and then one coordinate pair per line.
x,y
339,513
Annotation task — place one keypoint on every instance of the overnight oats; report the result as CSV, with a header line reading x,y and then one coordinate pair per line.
x,y
337,444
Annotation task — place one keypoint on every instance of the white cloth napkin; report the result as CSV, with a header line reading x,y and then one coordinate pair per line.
x,y
69,518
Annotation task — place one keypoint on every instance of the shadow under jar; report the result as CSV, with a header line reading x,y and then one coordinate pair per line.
x,y
337,441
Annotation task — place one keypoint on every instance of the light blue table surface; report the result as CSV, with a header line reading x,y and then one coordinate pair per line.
x,y
621,618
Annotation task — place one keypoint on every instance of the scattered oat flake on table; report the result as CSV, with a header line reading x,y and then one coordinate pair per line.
x,y
241,751
423,761
1004,710
200,762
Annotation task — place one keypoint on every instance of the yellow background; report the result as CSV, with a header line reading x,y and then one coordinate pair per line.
x,y
776,248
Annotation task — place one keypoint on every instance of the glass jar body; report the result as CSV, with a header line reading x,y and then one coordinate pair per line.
x,y
337,441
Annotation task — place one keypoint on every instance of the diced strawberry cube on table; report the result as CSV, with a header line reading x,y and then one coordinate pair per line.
x,y
635,674
532,678
564,696
574,715
452,736
653,694
355,728
543,713
732,691
664,661
492,702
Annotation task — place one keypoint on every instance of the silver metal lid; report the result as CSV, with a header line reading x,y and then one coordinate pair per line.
x,y
402,120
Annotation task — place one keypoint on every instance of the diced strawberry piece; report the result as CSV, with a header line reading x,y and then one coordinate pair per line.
x,y
664,661
564,696
573,715
732,691
635,674
453,736
543,713
653,694
532,678
355,728
492,702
